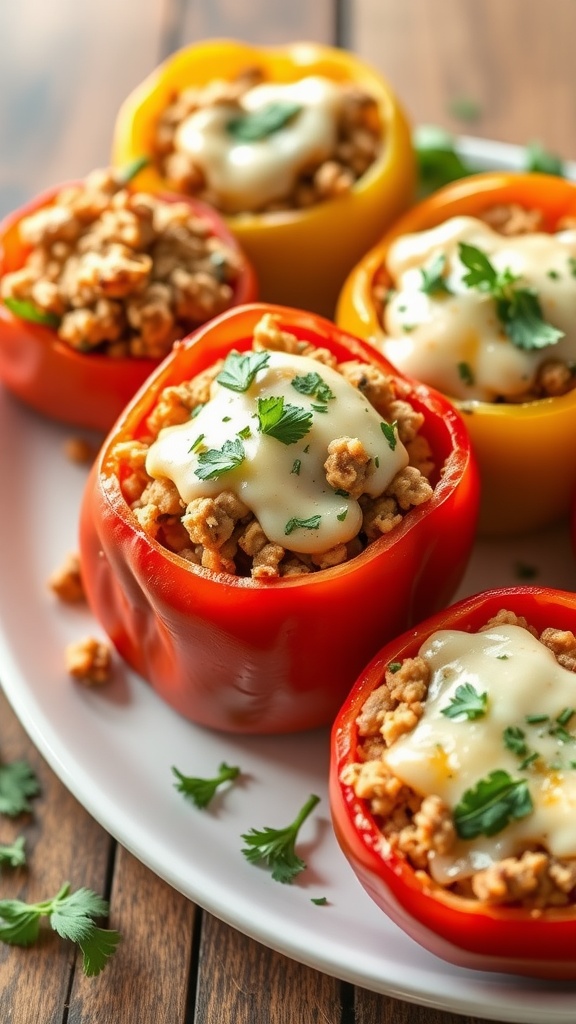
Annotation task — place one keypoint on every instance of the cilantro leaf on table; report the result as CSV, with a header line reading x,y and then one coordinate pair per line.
x,y
18,782
13,854
277,847
201,790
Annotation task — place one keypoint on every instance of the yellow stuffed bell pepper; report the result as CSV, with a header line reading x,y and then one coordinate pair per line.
x,y
307,179
524,443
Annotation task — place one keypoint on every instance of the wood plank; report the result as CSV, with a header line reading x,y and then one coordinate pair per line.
x,y
146,980
271,22
493,53
63,843
241,981
65,68
370,1008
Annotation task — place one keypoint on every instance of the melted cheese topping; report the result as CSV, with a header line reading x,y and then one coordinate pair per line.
x,y
455,342
281,482
248,175
448,756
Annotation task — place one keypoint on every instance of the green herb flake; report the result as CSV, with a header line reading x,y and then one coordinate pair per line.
x,y
342,515
390,433
530,759
554,275
313,523
194,447
13,854
564,717
296,467
200,790
515,740
536,719
394,667
287,423
197,409
466,703
319,901
341,493
217,461
491,805
26,310
245,433
433,282
240,369
572,265
314,385
465,373
255,125
18,782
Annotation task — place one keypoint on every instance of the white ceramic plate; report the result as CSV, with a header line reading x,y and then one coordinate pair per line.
x,y
114,749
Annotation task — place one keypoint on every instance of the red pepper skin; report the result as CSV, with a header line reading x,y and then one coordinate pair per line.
x,y
278,656
81,389
460,931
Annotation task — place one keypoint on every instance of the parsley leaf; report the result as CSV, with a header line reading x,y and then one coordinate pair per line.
x,y
515,740
71,915
240,369
466,703
216,461
489,806
389,431
313,523
13,854
518,308
254,125
201,791
287,423
28,311
433,281
313,384
277,847
18,781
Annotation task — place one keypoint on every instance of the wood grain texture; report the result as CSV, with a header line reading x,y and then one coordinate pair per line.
x,y
512,58
263,22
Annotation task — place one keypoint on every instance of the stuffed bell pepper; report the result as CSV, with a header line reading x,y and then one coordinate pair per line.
x,y
474,293
97,281
271,506
453,782
304,149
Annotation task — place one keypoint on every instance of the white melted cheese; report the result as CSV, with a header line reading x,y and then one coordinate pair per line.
x,y
277,481
431,337
245,176
448,756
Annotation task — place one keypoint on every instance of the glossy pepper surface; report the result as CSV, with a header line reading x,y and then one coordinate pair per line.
x,y
462,931
272,656
82,389
303,256
525,450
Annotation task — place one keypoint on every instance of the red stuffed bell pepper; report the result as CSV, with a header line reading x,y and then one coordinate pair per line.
x,y
455,805
238,597
97,282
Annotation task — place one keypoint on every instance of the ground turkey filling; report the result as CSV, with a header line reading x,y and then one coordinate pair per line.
x,y
418,827
220,533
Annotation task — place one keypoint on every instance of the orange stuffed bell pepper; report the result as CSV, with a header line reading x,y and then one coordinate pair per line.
x,y
453,781
270,507
485,314
304,148
97,281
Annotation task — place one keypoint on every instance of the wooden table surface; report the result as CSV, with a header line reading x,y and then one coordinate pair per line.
x,y
64,68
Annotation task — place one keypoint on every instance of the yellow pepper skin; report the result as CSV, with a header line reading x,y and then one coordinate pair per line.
x,y
526,451
303,256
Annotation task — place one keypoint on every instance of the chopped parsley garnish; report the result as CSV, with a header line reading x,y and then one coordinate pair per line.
x,y
466,703
491,805
313,384
517,307
196,444
465,373
341,493
240,369
536,719
313,523
433,282
320,901
342,515
515,740
26,310
564,717
296,467
394,666
287,423
245,433
255,125
217,461
201,791
389,431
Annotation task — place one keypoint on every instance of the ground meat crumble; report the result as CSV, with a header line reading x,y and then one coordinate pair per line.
x,y
220,533
120,272
417,827
358,144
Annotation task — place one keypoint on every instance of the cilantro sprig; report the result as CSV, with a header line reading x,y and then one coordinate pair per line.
x,y
217,461
491,805
72,915
255,125
287,423
13,854
313,523
518,307
18,782
202,790
466,703
240,369
277,847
